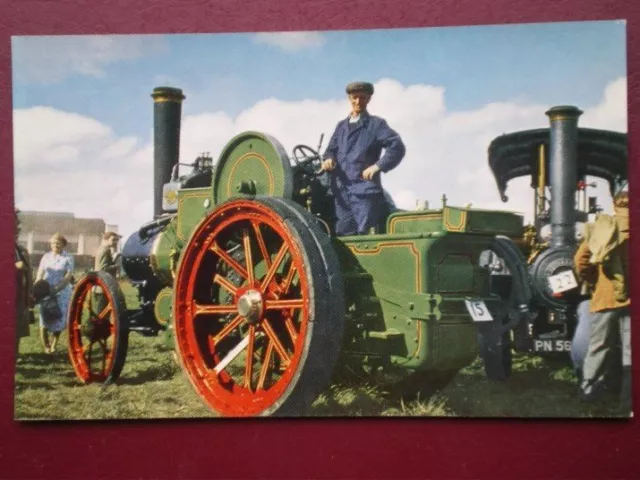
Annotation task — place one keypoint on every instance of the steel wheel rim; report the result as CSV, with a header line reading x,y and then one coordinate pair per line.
x,y
265,317
101,336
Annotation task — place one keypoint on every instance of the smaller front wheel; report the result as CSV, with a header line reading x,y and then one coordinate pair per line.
x,y
98,328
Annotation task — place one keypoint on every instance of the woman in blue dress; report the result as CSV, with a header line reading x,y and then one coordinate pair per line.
x,y
56,267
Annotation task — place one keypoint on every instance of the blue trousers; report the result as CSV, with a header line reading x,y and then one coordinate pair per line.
x,y
356,214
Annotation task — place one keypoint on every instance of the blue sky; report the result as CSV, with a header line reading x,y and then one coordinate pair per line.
x,y
108,79
546,63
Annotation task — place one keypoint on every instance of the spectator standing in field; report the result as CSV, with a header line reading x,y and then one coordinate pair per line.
x,y
353,157
582,333
603,260
24,282
56,267
105,259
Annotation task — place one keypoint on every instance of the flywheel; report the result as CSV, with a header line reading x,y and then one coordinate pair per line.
x,y
252,164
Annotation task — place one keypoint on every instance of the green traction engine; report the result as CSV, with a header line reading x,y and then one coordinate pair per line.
x,y
266,305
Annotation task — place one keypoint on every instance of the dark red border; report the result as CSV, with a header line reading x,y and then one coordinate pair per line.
x,y
374,448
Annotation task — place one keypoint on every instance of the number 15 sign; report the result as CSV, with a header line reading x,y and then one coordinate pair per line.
x,y
478,310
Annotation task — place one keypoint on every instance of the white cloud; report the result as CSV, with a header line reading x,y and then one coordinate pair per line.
x,y
121,147
111,178
69,162
47,59
291,41
43,135
608,114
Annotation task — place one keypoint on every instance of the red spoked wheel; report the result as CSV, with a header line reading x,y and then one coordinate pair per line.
x,y
98,328
259,309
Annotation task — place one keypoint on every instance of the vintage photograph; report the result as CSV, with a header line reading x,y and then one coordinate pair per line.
x,y
400,222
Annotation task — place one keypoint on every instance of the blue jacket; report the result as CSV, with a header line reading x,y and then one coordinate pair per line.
x,y
358,147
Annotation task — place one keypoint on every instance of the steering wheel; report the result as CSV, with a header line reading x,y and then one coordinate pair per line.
x,y
306,157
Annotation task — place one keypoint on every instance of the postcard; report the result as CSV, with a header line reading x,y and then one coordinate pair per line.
x,y
397,222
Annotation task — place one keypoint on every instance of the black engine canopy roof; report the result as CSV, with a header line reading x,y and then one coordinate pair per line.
x,y
601,153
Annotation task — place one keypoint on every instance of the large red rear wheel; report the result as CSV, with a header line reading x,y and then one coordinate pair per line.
x,y
98,328
259,309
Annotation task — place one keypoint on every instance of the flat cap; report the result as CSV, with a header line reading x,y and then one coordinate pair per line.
x,y
365,87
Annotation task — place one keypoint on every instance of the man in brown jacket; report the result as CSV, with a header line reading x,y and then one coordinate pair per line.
x,y
603,261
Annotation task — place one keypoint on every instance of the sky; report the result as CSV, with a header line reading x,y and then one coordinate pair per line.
x,y
83,115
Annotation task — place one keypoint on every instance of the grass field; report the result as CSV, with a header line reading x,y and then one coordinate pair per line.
x,y
152,385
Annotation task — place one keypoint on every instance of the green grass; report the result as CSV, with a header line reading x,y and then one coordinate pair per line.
x,y
152,385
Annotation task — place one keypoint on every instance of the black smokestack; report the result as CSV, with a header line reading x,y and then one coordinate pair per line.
x,y
167,110
563,173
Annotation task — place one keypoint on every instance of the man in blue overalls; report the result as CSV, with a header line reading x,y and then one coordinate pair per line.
x,y
353,158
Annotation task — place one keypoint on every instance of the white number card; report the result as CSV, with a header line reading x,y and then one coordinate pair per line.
x,y
478,311
563,281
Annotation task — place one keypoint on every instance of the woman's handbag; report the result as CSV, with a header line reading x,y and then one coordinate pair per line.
x,y
50,310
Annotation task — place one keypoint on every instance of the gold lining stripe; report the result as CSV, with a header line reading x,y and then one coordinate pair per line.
x,y
153,258
455,228
204,195
415,252
163,293
381,245
406,218
266,166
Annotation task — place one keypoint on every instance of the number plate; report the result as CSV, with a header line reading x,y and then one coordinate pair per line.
x,y
551,345
563,281
478,310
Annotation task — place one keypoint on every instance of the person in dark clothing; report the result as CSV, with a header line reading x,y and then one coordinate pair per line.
x,y
353,156
24,284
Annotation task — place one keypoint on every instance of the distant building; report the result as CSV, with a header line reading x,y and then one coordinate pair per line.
x,y
83,234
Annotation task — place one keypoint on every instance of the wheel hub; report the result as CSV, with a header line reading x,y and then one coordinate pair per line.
x,y
250,306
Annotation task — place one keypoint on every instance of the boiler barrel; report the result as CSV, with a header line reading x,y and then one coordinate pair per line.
x,y
136,255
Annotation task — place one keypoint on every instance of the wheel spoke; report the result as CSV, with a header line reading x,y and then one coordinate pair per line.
x,y
223,282
103,314
104,356
215,248
265,366
89,296
268,329
261,244
248,373
291,329
272,271
286,284
228,328
282,304
88,352
233,353
199,309
246,240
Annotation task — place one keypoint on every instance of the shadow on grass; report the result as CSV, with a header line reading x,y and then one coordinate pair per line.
x,y
152,373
